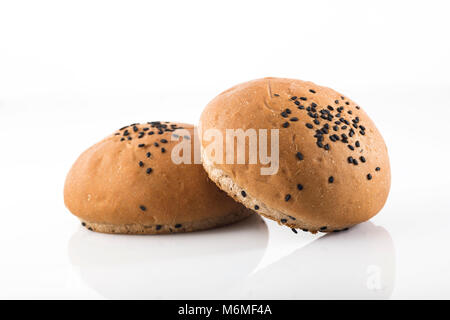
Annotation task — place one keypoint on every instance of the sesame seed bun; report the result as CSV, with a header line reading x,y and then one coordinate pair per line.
x,y
127,183
333,163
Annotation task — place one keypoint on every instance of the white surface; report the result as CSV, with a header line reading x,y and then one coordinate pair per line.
x,y
72,72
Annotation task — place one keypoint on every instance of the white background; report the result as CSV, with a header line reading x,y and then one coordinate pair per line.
x,y
71,72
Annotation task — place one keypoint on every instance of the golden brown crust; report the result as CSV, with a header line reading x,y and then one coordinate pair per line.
x,y
350,198
110,186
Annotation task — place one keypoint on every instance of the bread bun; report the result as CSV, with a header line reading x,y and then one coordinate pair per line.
x,y
333,163
127,183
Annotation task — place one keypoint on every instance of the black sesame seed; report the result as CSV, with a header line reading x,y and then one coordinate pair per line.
x,y
163,150
369,177
122,139
256,207
351,147
148,154
336,101
316,121
323,228
312,91
126,132
150,133
276,94
149,170
326,147
158,227
243,193
313,104
362,132
293,230
123,128
283,220
309,125
355,162
141,164
300,187
141,145
297,102
350,159
143,208
90,229
288,111
362,159
331,179
284,114
135,129
294,119
178,225
303,98
357,144
377,169
299,156
83,224
156,144
163,140
287,197
294,98
291,217
319,144
285,125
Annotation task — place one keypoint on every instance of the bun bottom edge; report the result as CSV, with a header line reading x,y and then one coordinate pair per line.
x,y
193,226
227,184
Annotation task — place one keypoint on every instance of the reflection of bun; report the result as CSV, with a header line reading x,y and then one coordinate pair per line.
x,y
182,266
127,183
333,164
359,264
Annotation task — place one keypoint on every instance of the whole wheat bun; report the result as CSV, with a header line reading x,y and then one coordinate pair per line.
x,y
328,180
127,183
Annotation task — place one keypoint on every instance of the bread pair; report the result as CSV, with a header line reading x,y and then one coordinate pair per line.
x,y
332,169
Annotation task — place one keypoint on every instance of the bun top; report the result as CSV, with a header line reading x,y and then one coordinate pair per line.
x,y
129,178
333,162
